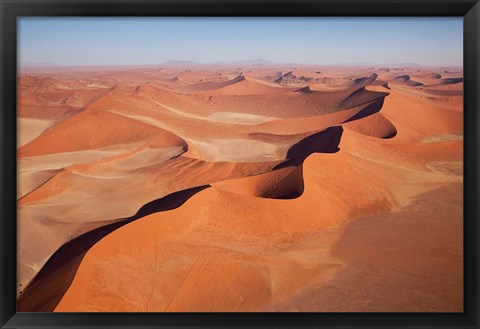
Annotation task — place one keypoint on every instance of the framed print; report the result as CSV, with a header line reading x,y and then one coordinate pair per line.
x,y
252,164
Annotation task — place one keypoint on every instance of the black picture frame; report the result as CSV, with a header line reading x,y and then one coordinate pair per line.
x,y
10,10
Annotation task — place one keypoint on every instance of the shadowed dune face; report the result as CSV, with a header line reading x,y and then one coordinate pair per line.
x,y
59,271
376,125
217,188
326,141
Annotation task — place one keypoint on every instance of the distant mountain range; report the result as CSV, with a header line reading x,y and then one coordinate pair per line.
x,y
177,63
258,61
249,62
373,64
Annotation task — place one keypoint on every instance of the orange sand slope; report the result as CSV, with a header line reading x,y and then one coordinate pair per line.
x,y
259,188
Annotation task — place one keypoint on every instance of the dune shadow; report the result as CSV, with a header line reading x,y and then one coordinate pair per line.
x,y
391,134
451,81
290,195
368,110
406,79
50,284
326,141
356,93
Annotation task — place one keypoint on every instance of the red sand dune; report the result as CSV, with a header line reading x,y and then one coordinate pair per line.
x,y
93,129
217,188
375,125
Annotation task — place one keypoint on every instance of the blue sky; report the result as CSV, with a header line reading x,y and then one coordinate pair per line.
x,y
322,41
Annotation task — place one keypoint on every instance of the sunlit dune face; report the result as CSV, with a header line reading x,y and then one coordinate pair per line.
x,y
255,188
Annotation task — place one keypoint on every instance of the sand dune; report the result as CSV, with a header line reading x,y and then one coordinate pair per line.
x,y
31,129
48,92
406,80
96,129
203,86
450,81
284,183
244,86
434,75
375,125
224,188
416,117
260,236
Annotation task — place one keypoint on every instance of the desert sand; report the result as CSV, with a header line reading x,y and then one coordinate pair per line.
x,y
227,188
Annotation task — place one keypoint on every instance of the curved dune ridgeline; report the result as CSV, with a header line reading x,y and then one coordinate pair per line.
x,y
48,286
224,188
375,125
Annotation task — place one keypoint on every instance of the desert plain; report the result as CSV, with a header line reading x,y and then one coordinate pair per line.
x,y
225,188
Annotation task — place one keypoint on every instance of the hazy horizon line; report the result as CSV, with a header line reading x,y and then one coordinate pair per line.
x,y
252,62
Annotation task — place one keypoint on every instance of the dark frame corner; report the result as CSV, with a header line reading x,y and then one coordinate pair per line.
x,y
10,9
